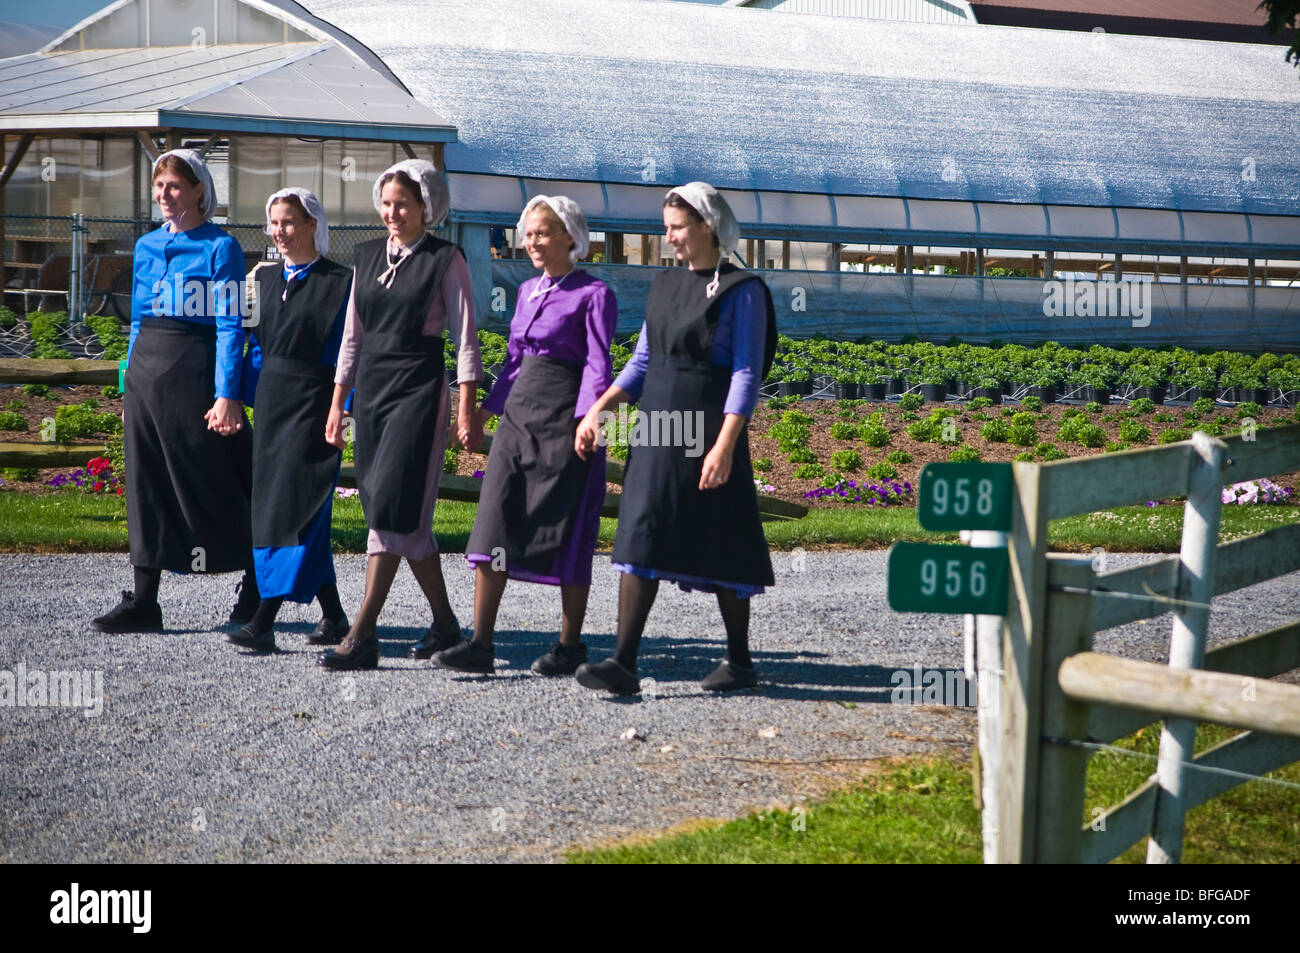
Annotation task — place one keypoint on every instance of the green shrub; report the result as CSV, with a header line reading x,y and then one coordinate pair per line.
x,y
979,403
36,390
1204,405
1024,418
111,392
1092,407
881,471
874,434
17,405
788,435
1175,435
898,456
8,320
964,455
1026,457
1090,435
1022,435
1163,418
1143,405
12,420
797,417
846,460
912,401
995,431
72,421
450,459
763,464
1214,428
110,336
841,430
1134,432
45,330
115,450
1032,403
20,474
1071,412
801,455
1115,445
1248,408
809,471
1051,453
927,431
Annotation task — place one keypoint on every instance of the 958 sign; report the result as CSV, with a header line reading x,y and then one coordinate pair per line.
x,y
934,577
965,496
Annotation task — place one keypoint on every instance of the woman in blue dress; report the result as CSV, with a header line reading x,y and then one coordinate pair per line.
x,y
293,351
188,449
689,516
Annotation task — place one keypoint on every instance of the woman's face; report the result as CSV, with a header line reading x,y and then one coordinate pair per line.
x,y
178,200
401,212
547,242
692,240
294,233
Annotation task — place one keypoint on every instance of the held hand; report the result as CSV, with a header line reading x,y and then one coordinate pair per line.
x,y
585,440
717,467
334,428
226,416
469,429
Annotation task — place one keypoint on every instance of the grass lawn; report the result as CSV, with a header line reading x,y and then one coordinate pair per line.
x,y
921,811
72,522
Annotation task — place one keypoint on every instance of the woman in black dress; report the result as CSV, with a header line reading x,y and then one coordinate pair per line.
x,y
302,305
689,516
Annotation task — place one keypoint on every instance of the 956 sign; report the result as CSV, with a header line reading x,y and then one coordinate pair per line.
x,y
965,496
934,577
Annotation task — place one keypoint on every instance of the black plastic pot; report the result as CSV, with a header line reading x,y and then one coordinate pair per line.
x,y
847,390
992,393
1100,394
793,388
1156,394
873,391
1284,398
1046,394
1259,395
935,392
896,385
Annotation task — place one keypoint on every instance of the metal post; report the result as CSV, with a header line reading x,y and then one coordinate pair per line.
x,y
1187,644
74,270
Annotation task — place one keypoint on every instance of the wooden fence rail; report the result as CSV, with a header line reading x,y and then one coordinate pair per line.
x,y
1060,700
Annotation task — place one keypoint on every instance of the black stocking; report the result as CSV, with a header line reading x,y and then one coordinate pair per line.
x,y
735,616
635,597
146,584
264,617
330,606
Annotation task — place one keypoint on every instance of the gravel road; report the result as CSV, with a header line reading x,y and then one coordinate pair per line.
x,y
204,753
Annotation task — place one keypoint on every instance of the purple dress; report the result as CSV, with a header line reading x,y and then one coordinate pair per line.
x,y
571,320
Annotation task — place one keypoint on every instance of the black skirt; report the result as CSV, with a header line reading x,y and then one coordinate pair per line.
x,y
187,487
533,488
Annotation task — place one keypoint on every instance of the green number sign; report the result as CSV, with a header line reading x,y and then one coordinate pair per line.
x,y
933,577
965,496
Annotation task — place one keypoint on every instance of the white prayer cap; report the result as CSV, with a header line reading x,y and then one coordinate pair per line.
x,y
200,170
715,211
433,187
314,209
570,214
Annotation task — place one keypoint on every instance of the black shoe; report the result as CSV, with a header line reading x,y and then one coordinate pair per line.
x,y
467,656
436,640
610,676
728,677
561,659
329,631
130,616
246,605
351,654
246,638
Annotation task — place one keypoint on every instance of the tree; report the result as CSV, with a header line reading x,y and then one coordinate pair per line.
x,y
1284,15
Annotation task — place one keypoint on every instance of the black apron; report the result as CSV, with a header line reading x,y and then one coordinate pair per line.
x,y
294,468
399,382
188,487
534,481
665,521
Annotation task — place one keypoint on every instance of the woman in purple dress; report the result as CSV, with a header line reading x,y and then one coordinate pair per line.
x,y
688,515
539,509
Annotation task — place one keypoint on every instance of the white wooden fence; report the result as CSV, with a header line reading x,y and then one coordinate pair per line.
x,y
1057,695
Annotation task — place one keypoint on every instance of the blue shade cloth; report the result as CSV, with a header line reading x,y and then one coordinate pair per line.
x,y
737,343
195,276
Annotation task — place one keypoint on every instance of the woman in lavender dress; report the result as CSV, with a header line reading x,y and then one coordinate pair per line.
x,y
687,515
539,510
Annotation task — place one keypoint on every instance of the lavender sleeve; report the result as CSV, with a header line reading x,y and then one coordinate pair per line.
x,y
744,314
632,377
602,314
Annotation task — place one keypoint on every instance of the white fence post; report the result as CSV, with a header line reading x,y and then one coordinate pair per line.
x,y
988,682
1187,643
